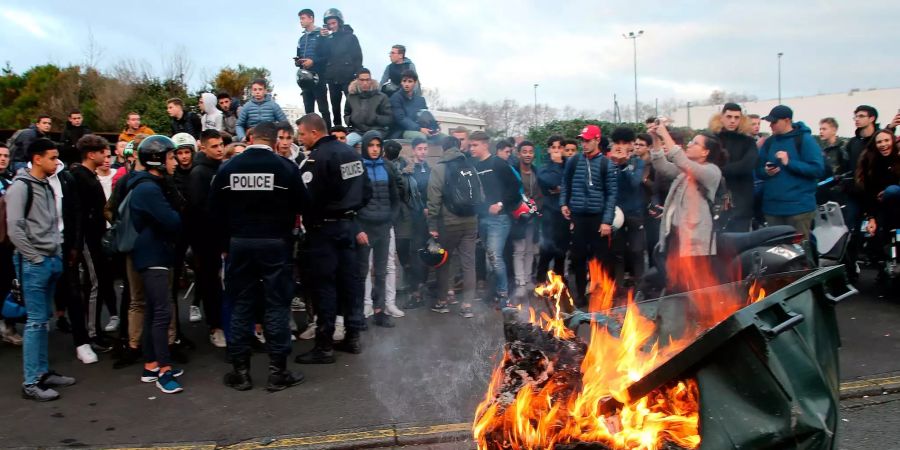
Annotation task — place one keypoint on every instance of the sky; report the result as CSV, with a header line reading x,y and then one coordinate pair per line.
x,y
470,49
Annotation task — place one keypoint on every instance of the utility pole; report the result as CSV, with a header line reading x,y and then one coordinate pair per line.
x,y
689,114
535,104
780,54
634,37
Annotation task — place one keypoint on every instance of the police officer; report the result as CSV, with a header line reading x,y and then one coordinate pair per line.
x,y
257,196
337,181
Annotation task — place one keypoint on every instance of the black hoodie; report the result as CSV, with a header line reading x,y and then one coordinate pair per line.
x,y
343,54
70,136
199,181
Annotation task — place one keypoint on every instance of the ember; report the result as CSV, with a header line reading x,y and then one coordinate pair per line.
x,y
554,391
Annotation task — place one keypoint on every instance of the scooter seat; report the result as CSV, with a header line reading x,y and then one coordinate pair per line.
x,y
734,243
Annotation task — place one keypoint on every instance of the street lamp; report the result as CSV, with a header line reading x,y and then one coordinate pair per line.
x,y
535,104
779,76
634,36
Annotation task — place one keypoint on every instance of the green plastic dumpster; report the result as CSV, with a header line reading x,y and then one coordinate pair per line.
x,y
768,374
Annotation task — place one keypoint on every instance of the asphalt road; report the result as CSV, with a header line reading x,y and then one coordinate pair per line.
x,y
432,369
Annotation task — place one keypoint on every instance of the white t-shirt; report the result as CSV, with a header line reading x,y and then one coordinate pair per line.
x,y
106,182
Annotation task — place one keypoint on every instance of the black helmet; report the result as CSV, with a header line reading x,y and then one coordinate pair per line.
x,y
433,255
335,13
152,151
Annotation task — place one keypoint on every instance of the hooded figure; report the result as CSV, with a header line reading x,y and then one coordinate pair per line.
x,y
212,116
375,221
367,109
341,51
387,186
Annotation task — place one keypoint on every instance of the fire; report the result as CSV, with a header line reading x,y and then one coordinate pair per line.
x,y
548,412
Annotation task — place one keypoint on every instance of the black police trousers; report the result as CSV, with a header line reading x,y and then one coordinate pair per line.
x,y
254,266
332,272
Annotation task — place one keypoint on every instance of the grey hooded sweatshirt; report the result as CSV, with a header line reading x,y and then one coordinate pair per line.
x,y
212,117
37,235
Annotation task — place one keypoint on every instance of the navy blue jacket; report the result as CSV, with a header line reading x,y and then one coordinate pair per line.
x,y
155,220
406,110
386,186
630,190
336,180
308,48
257,195
550,178
588,194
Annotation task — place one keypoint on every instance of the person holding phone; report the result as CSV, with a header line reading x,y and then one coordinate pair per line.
x,y
790,164
343,59
314,92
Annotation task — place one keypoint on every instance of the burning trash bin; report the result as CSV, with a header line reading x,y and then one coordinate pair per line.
x,y
717,368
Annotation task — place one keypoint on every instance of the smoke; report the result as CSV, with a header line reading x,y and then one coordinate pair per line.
x,y
434,368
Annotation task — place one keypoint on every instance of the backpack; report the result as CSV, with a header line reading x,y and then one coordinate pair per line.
x,y
568,176
462,188
11,142
4,233
719,206
121,236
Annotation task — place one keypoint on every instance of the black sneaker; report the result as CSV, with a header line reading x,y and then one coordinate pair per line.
x,y
383,320
466,311
440,307
316,356
100,345
129,356
281,379
38,393
504,302
62,324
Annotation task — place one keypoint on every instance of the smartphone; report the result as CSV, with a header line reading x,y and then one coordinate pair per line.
x,y
770,165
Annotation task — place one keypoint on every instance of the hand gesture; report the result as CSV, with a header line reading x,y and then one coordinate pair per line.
x,y
362,238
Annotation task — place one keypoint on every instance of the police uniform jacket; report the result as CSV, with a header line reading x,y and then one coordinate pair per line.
x,y
337,181
258,194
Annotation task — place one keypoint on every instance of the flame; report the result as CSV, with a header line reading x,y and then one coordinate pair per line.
x,y
540,416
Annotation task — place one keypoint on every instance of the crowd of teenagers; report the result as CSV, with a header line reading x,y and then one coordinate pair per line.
x,y
353,221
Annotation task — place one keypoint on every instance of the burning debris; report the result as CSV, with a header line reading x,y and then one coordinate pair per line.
x,y
553,391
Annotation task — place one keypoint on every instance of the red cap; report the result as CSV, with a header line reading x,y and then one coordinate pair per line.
x,y
590,132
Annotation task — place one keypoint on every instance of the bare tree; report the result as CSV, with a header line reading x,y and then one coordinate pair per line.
x,y
433,97
177,66
93,51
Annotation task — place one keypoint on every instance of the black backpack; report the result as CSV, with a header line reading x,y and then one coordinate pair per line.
x,y
462,188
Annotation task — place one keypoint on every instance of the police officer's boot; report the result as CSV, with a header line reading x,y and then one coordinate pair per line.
x,y
322,353
351,343
279,377
239,378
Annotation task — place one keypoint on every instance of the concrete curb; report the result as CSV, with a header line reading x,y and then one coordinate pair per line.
x,y
403,435
870,387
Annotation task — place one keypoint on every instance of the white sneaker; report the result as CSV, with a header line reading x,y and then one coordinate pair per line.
x,y
309,332
338,332
85,354
11,336
368,311
217,338
260,336
113,324
297,305
392,310
195,315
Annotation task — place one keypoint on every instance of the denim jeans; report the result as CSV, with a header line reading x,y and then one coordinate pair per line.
x,y
494,232
38,286
379,249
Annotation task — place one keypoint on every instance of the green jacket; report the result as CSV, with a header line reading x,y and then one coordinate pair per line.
x,y
440,217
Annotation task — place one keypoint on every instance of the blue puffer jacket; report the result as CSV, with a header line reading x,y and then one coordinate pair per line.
x,y
630,190
406,110
588,194
791,191
385,201
254,112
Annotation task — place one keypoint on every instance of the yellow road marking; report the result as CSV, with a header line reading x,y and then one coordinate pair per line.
x,y
409,431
